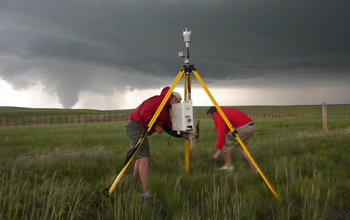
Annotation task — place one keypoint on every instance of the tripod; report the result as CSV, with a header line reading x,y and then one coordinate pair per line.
x,y
187,69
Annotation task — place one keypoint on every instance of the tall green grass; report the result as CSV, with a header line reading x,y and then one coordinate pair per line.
x,y
61,171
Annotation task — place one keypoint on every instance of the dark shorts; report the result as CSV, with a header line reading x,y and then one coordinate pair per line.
x,y
245,133
134,131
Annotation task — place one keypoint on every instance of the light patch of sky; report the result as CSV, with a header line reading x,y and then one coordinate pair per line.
x,y
36,97
118,100
31,97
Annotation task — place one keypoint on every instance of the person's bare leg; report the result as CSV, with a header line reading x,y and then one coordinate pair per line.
x,y
247,158
227,156
193,144
135,174
143,173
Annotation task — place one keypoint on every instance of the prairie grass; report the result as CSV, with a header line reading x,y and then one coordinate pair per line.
x,y
61,171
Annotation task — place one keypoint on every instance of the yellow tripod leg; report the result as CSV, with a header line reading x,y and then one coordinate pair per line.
x,y
187,156
111,189
161,106
232,130
149,127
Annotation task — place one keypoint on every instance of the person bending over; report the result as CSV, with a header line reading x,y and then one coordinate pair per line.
x,y
136,124
225,140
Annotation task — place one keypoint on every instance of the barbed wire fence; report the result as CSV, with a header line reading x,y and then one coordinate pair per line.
x,y
77,119
37,129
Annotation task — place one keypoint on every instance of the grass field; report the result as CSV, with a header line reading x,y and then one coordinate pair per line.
x,y
59,172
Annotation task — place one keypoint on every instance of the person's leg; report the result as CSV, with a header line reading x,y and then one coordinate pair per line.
x,y
143,173
245,134
227,148
246,157
227,156
143,156
135,175
134,131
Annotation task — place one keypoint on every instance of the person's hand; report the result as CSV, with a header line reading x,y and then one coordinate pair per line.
x,y
158,129
217,154
185,136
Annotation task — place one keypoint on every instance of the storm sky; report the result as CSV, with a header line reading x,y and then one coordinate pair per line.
x,y
112,54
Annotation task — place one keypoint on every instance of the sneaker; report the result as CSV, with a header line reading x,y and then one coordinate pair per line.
x,y
231,168
225,167
146,195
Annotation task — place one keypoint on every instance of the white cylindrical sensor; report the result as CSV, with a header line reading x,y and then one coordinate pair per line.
x,y
187,37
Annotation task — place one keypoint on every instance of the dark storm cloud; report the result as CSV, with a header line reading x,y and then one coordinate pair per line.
x,y
99,46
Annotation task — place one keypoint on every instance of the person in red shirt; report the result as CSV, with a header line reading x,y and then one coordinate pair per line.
x,y
136,124
226,141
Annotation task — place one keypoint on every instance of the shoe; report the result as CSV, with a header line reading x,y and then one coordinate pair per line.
x,y
146,195
231,168
225,167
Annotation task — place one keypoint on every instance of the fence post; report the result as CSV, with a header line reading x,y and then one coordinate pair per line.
x,y
324,118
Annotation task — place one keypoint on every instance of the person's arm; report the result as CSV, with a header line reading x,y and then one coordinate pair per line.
x,y
171,132
216,155
221,131
158,129
147,113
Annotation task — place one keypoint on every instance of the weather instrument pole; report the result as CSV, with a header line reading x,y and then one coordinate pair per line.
x,y
187,90
188,68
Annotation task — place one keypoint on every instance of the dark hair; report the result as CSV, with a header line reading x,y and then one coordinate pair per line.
x,y
211,110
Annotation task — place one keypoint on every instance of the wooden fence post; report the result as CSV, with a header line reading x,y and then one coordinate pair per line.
x,y
324,118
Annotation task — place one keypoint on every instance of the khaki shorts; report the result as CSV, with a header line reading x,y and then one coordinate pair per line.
x,y
134,131
245,133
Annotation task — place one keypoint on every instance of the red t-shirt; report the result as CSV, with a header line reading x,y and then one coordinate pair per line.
x,y
236,117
